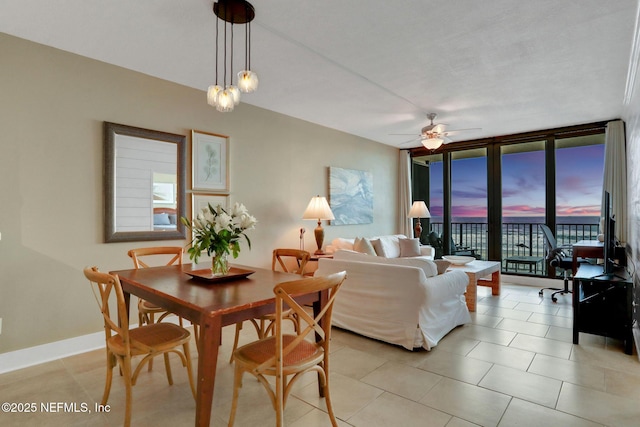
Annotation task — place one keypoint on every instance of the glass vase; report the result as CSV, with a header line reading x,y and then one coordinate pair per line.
x,y
220,264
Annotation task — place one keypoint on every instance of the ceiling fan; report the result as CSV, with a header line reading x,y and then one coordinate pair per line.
x,y
432,136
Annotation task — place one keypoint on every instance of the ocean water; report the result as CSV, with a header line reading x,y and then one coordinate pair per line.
x,y
520,235
524,220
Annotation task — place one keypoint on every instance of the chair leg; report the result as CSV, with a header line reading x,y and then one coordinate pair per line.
x,y
237,383
235,339
187,355
111,363
541,293
150,321
126,369
562,291
327,398
167,366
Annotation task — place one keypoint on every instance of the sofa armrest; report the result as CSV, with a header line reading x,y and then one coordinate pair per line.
x,y
453,282
427,250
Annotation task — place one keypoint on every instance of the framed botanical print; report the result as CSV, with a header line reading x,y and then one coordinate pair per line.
x,y
210,162
201,201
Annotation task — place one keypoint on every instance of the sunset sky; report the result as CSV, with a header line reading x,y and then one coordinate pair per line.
x,y
579,188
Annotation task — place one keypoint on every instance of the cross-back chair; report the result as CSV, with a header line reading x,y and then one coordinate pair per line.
x,y
289,261
141,256
289,356
161,255
122,343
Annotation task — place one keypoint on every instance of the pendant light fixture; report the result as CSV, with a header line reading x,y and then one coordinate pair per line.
x,y
226,96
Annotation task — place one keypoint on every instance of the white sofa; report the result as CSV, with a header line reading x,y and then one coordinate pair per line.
x,y
401,301
389,244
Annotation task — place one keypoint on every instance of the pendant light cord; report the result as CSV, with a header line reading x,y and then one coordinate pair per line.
x,y
217,54
231,62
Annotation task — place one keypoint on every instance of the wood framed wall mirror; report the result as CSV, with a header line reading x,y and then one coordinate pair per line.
x,y
144,184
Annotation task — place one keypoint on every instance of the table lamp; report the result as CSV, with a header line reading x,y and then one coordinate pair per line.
x,y
418,210
318,209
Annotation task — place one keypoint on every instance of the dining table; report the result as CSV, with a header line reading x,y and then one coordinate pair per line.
x,y
211,303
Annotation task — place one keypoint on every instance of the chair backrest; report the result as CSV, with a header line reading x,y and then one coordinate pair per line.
x,y
550,239
108,284
556,256
155,252
301,258
321,324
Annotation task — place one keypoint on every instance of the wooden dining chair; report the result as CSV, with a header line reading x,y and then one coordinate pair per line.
x,y
288,356
289,261
146,310
122,343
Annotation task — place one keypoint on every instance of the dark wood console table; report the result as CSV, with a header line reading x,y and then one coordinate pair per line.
x,y
602,304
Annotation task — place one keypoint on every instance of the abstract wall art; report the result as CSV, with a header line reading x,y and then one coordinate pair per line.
x,y
351,196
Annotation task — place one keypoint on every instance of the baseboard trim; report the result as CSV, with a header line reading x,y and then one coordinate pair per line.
x,y
26,357
14,360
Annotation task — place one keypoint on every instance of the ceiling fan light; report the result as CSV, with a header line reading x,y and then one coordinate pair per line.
x,y
247,81
212,95
225,102
432,143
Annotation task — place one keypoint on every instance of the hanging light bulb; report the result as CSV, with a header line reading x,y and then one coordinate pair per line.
x,y
225,102
247,81
212,94
235,93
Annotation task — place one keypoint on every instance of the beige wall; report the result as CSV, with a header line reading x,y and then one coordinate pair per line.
x,y
52,106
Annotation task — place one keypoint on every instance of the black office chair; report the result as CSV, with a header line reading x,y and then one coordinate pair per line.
x,y
557,257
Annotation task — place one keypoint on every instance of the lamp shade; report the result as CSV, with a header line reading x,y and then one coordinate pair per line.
x,y
419,210
318,209
432,143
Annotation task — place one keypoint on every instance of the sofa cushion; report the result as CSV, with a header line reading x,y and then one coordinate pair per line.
x,y
363,245
409,247
377,246
341,243
428,266
390,245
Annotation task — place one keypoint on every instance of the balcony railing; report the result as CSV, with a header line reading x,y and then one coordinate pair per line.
x,y
518,239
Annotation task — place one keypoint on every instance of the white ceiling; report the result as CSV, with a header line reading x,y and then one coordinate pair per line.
x,y
370,67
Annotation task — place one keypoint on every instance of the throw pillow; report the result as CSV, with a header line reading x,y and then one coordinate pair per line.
x,y
377,245
409,247
161,219
442,265
363,245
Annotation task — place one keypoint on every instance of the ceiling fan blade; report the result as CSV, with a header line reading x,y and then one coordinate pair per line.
x,y
411,140
439,128
404,134
460,130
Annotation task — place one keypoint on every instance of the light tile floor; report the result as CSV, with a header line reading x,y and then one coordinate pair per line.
x,y
514,365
